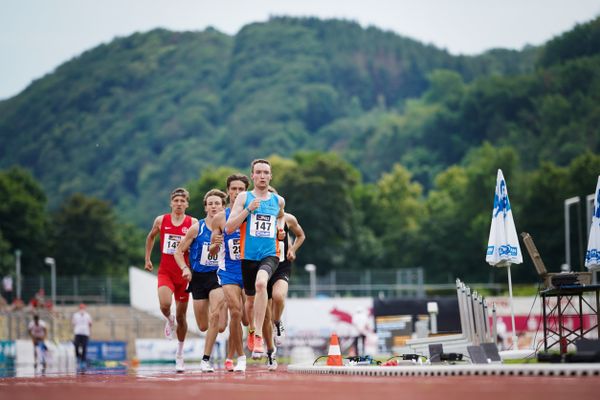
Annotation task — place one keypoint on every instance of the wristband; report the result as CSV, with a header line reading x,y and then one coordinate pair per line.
x,y
247,209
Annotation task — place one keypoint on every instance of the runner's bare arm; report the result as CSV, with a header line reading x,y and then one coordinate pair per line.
x,y
281,219
294,226
150,242
238,213
216,237
184,246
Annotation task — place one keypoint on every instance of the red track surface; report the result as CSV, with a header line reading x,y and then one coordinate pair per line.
x,y
257,383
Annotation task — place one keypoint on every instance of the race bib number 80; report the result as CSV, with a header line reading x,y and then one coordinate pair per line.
x,y
207,258
262,225
170,243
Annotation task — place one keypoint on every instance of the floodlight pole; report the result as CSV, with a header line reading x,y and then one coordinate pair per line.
x,y
568,203
18,271
52,263
312,270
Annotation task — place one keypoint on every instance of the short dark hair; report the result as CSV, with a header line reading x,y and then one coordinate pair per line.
x,y
258,161
215,192
238,177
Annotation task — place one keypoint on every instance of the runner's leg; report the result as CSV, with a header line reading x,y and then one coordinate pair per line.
x,y
181,312
215,305
280,291
260,301
234,303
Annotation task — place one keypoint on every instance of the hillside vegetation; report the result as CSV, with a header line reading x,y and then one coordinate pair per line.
x,y
393,143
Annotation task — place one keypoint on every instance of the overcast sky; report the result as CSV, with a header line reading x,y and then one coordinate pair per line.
x,y
39,35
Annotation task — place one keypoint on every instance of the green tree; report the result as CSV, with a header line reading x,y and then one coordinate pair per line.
x,y
85,238
546,190
396,217
7,260
460,210
210,178
319,192
23,221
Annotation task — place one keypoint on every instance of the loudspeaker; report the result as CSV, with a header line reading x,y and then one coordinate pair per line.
x,y
592,345
491,352
477,355
435,352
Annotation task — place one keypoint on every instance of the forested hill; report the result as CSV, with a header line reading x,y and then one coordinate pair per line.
x,y
129,120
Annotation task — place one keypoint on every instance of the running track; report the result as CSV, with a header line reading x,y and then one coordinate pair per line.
x,y
149,383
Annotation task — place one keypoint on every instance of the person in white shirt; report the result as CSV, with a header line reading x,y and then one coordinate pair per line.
x,y
82,324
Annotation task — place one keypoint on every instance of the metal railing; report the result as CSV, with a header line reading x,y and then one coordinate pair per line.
x,y
408,282
77,289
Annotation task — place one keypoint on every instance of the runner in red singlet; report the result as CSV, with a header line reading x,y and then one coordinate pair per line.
x,y
171,280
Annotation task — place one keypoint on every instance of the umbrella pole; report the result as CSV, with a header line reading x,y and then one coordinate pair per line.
x,y
512,311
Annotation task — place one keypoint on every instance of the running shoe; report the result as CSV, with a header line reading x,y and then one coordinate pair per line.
x,y
279,333
271,361
229,365
250,340
241,364
259,348
205,366
170,327
179,366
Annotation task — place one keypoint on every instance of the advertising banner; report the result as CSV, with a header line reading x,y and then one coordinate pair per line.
x,y
155,350
106,351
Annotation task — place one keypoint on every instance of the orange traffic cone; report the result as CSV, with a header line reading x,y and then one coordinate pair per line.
x,y
334,357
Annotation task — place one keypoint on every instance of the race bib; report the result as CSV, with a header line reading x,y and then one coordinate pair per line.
x,y
207,258
262,225
170,243
281,252
234,249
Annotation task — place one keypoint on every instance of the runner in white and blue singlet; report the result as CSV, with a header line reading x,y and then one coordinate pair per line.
x,y
205,260
231,271
230,275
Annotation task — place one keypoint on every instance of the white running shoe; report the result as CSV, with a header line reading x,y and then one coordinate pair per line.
x,y
241,364
170,327
205,366
279,331
271,361
179,366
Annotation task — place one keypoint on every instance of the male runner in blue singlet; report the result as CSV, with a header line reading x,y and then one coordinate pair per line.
x,y
259,215
230,275
205,259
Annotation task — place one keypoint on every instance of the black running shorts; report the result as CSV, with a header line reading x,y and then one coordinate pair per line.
x,y
202,283
250,268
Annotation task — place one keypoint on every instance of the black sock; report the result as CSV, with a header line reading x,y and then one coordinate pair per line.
x,y
205,358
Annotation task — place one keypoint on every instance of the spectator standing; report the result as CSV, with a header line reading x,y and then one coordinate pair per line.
x,y
82,325
7,287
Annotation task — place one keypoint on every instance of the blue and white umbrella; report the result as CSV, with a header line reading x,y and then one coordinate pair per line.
x,y
503,245
592,256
